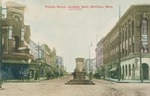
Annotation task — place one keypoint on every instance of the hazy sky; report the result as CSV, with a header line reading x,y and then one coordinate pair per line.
x,y
72,31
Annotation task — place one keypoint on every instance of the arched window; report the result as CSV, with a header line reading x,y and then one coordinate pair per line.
x,y
123,70
129,70
16,18
126,70
133,70
144,27
144,39
16,43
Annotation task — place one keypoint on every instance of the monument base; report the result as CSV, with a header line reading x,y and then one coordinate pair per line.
x,y
79,79
79,74
80,82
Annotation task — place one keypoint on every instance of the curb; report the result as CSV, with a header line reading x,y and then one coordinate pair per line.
x,y
25,81
127,81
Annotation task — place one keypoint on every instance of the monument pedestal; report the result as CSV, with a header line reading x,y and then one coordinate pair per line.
x,y
79,74
80,82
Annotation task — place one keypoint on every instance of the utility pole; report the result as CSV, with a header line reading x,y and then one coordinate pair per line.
x,y
90,73
38,60
119,53
140,57
1,52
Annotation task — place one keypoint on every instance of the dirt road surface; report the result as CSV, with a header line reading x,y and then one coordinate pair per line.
x,y
57,87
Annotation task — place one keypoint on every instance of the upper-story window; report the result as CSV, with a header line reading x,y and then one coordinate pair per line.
x,y
22,33
144,32
132,28
17,18
144,28
10,32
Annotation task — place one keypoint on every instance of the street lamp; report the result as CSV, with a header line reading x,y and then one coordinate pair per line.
x,y
37,65
90,73
119,56
140,57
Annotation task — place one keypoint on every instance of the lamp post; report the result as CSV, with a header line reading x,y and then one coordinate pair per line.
x,y
140,57
1,52
37,65
90,73
38,61
119,57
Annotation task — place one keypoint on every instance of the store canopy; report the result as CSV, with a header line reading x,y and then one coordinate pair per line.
x,y
113,69
15,61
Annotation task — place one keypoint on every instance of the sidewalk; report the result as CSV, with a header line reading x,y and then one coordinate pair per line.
x,y
25,80
127,81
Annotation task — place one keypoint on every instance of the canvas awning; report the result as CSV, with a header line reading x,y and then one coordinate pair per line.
x,y
113,69
15,61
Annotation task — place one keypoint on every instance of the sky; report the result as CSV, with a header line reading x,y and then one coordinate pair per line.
x,y
72,30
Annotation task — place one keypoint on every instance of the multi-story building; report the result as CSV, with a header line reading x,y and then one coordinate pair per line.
x,y
126,48
60,64
45,52
33,49
15,40
99,53
89,65
22,57
59,60
93,65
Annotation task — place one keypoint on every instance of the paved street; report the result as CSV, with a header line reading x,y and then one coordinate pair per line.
x,y
57,87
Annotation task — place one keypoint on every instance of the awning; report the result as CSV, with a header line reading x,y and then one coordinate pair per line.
x,y
113,69
15,61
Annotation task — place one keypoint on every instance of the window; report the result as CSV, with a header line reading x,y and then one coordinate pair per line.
x,y
16,18
132,34
22,34
132,28
126,70
144,27
16,43
129,70
10,32
144,32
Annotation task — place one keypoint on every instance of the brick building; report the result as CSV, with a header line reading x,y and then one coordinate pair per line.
x,y
99,53
126,48
15,38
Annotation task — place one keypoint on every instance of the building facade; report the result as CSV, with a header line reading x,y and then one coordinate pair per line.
x,y
99,53
126,48
22,57
15,40
60,64
90,65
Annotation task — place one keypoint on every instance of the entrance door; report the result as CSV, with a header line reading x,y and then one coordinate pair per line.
x,y
145,71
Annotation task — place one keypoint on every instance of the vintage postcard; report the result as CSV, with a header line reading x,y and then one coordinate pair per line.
x,y
74,48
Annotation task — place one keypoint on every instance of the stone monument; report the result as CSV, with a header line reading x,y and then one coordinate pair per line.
x,y
79,74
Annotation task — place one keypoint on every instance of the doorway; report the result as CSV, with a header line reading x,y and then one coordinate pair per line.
x,y
145,68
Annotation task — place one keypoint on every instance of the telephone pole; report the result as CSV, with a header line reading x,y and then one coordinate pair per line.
x,y
119,53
